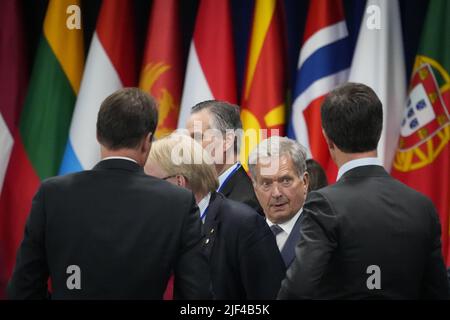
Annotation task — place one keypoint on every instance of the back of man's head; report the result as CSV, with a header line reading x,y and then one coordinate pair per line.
x,y
352,118
125,118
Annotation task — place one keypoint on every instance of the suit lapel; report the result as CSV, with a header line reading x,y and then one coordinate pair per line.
x,y
288,252
227,187
211,225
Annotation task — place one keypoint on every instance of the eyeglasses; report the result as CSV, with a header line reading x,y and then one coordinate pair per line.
x,y
168,177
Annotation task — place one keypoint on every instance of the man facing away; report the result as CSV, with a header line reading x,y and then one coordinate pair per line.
x,y
368,235
216,124
113,232
278,170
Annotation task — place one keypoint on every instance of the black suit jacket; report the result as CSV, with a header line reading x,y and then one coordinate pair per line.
x,y
239,188
367,218
126,231
244,258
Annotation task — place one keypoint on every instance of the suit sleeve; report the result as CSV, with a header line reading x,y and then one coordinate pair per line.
x,y
317,242
192,274
261,265
30,276
435,282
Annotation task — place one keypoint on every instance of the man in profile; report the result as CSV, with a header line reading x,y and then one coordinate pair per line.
x,y
217,123
368,235
113,232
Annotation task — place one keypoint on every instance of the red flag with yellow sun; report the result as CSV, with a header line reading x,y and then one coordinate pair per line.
x,y
162,70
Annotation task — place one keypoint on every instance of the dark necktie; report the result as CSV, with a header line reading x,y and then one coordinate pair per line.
x,y
276,229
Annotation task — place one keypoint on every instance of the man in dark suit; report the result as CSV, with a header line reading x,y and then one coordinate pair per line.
x,y
278,170
241,249
113,232
368,235
216,124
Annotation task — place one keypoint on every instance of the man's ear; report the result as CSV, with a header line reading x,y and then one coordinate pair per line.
x,y
306,180
330,143
147,143
228,141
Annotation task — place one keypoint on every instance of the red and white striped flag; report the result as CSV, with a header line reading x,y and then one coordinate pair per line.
x,y
210,71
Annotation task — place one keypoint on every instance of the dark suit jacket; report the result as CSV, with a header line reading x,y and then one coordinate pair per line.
x,y
288,250
448,275
126,231
367,218
239,188
244,258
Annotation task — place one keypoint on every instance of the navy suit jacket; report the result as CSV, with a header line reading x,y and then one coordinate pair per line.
x,y
239,188
288,251
244,258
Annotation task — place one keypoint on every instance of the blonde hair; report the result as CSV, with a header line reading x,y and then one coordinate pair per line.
x,y
179,154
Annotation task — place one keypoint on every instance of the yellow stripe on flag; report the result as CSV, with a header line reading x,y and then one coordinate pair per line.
x,y
67,44
264,10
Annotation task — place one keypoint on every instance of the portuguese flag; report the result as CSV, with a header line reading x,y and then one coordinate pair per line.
x,y
42,133
422,160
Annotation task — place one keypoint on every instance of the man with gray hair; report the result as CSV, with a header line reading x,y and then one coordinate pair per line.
x,y
216,125
278,170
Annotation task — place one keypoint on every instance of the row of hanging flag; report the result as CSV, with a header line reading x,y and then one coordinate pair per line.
x,y
52,131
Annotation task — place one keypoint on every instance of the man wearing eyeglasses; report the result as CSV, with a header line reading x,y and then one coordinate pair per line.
x,y
278,171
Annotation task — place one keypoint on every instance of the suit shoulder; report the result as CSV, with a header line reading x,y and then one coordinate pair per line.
x,y
145,182
242,216
64,180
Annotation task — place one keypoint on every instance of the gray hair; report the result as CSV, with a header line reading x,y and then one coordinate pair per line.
x,y
278,146
225,116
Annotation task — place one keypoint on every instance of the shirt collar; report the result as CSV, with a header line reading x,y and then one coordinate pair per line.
x,y
288,225
225,175
203,204
122,158
357,163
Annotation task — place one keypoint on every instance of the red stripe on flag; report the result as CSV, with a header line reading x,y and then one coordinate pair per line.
x,y
317,143
116,33
437,189
213,42
326,13
21,183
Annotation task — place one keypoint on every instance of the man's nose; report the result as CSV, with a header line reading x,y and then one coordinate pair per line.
x,y
276,191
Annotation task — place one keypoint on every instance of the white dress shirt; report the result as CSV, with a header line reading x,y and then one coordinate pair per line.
x,y
203,205
287,228
357,163
122,158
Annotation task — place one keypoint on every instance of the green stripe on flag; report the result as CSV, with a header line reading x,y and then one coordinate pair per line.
x,y
47,113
